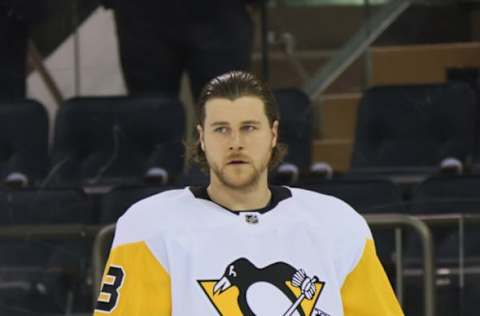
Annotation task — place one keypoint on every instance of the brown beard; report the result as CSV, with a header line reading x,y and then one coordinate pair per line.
x,y
252,181
254,178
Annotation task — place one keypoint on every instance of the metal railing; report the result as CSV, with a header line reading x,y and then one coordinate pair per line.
x,y
99,256
452,220
354,47
102,235
397,221
49,231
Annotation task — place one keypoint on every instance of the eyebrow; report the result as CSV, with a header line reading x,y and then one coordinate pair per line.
x,y
223,123
219,123
251,122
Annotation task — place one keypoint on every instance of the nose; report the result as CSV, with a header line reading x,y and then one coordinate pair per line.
x,y
236,142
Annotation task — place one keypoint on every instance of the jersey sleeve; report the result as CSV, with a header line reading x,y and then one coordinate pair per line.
x,y
134,283
366,290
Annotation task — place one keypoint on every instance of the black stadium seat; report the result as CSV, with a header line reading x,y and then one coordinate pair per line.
x,y
193,176
365,196
406,128
116,202
23,141
117,140
44,275
296,131
296,125
444,195
449,195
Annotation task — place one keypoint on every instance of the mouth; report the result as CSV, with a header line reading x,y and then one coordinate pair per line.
x,y
237,162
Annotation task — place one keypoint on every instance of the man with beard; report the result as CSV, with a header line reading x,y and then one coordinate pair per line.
x,y
239,246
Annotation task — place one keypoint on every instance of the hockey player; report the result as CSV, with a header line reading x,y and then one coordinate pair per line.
x,y
240,246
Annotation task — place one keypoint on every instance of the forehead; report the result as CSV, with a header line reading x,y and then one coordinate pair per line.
x,y
240,109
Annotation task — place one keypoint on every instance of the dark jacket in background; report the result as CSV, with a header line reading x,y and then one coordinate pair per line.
x,y
16,19
159,40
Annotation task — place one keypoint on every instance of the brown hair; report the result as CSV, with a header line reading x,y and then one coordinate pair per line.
x,y
233,85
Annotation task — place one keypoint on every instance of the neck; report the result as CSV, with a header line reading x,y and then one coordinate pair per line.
x,y
253,197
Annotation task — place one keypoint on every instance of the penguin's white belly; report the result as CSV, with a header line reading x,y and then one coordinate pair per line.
x,y
265,299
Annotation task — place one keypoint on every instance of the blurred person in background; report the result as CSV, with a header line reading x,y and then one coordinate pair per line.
x,y
16,19
159,40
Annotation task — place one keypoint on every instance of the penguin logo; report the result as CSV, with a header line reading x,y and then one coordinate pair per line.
x,y
277,289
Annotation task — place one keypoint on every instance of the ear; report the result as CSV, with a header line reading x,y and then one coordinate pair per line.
x,y
274,133
201,137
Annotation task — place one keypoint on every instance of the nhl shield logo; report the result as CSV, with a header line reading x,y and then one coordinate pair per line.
x,y
251,218
277,289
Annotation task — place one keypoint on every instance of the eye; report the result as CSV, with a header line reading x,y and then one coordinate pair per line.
x,y
249,128
220,129
231,271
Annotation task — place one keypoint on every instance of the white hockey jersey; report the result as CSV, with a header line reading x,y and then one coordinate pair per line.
x,y
306,254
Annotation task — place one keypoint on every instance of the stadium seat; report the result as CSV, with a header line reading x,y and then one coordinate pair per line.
x,y
45,275
23,135
118,140
413,128
449,195
476,155
470,76
194,176
116,202
444,195
296,131
369,197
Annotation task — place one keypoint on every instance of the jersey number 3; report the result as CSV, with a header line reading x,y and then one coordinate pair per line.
x,y
109,295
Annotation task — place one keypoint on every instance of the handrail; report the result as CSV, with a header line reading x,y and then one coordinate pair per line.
x,y
99,257
102,235
36,60
448,218
396,220
59,231
365,36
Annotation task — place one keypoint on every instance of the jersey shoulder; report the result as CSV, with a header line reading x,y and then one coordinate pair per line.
x,y
150,215
330,210
348,231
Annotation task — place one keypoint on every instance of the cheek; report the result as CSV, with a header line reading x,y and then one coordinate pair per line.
x,y
213,147
261,145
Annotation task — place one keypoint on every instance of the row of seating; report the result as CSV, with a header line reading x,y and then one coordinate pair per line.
x,y
437,195
401,129
43,276
115,140
416,126
94,139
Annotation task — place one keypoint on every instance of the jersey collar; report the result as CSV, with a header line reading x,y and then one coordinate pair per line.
x,y
279,194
